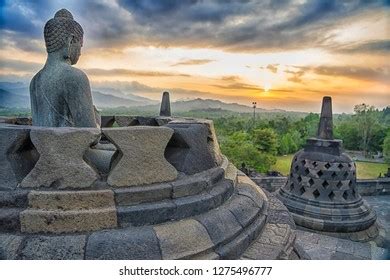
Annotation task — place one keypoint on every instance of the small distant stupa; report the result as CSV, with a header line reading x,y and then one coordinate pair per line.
x,y
165,109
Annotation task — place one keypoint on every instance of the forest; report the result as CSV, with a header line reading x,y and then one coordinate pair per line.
x,y
257,141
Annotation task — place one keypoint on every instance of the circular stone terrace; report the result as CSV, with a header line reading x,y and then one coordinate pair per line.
x,y
138,188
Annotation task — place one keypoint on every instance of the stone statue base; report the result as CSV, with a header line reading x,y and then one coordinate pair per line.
x,y
187,210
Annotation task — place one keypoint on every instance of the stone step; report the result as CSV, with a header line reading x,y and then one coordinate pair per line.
x,y
183,187
234,225
71,200
222,233
58,221
174,209
275,242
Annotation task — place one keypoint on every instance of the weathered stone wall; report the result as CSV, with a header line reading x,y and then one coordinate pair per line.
x,y
374,186
270,183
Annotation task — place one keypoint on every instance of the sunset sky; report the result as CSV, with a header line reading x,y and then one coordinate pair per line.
x,y
281,54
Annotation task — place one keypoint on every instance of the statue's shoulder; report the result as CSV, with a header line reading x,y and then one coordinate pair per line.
x,y
75,75
34,79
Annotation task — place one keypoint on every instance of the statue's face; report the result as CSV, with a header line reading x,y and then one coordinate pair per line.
x,y
75,50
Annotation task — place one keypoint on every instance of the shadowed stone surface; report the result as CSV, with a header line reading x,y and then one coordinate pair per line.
x,y
9,219
54,248
163,120
220,224
136,195
9,245
61,94
248,188
165,109
192,148
124,244
11,204
61,164
141,159
100,159
107,121
17,156
182,239
189,186
124,121
237,247
13,199
243,209
146,213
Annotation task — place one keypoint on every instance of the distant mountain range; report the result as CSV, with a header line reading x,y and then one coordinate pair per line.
x,y
205,105
17,95
10,99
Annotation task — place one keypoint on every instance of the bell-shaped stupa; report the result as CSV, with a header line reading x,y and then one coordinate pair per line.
x,y
321,189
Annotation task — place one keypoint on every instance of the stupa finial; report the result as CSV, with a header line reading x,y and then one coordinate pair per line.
x,y
325,128
165,109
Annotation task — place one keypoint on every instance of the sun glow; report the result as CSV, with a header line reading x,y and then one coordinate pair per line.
x,y
267,87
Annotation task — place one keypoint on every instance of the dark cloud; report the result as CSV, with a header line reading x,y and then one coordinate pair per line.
x,y
231,25
193,62
372,47
23,66
381,74
144,8
11,40
295,76
273,67
230,78
239,86
314,11
20,66
130,72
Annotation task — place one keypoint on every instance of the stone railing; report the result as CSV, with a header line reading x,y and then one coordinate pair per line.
x,y
377,186
270,183
374,186
72,158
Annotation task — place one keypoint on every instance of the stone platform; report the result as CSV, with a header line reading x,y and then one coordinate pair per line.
x,y
323,247
159,192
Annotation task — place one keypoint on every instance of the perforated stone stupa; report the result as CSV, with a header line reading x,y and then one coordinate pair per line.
x,y
321,189
134,188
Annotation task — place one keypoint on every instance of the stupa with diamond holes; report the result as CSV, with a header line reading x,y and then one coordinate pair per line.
x,y
321,189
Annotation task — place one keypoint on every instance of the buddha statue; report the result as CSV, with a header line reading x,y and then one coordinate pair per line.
x,y
60,93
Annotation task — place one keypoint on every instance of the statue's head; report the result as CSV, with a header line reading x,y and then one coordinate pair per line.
x,y
63,34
